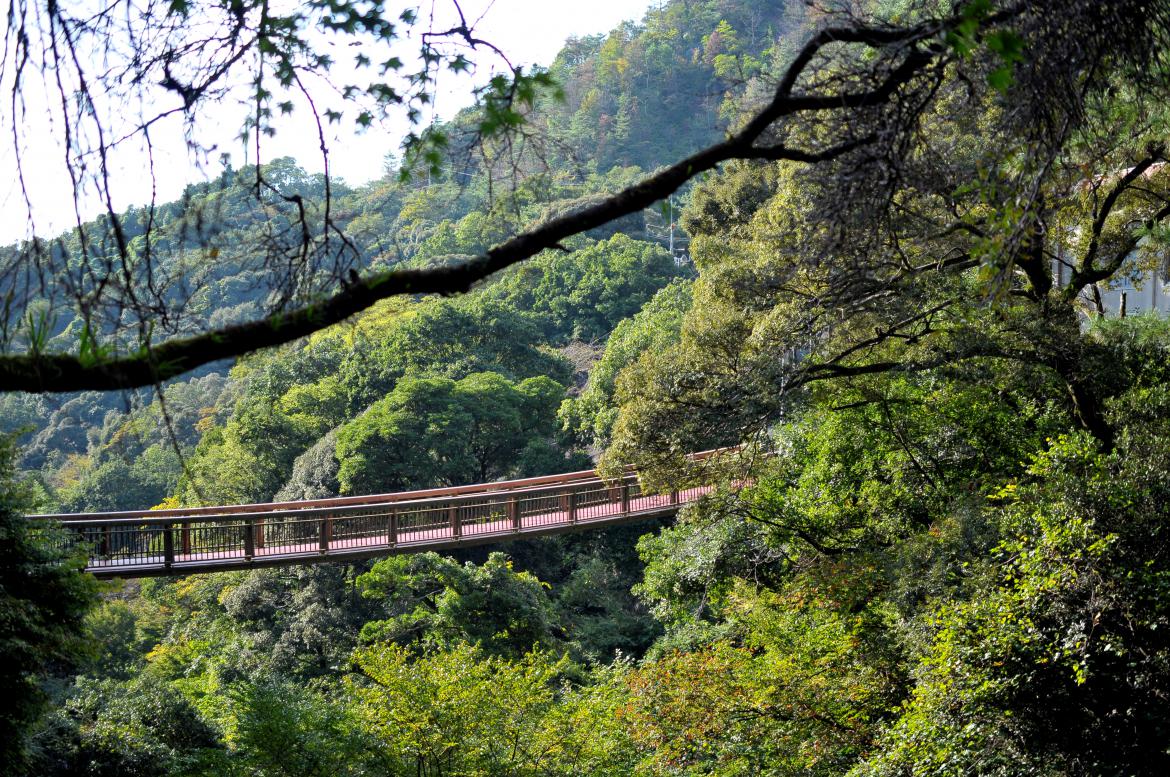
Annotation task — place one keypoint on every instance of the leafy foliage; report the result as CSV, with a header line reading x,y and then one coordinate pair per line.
x,y
43,601
440,431
436,603
951,560
461,711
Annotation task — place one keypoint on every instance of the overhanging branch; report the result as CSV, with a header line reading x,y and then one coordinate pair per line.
x,y
41,372
1088,272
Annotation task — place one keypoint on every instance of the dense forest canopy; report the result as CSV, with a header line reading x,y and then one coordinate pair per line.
x,y
941,548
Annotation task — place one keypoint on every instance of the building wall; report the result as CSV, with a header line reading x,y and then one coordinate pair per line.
x,y
1148,292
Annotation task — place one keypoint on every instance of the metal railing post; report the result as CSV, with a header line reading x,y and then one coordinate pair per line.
x,y
453,519
569,503
259,532
185,538
249,539
514,513
324,529
392,529
674,496
168,545
625,496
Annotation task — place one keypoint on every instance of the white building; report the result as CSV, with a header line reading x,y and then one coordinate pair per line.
x,y
1125,294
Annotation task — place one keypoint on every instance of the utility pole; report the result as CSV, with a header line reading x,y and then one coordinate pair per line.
x,y
680,258
670,201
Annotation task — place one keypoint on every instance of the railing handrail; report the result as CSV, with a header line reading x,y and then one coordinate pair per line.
x,y
345,504
302,505
146,543
152,518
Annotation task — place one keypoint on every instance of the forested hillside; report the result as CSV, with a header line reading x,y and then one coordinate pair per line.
x,y
939,546
679,69
514,379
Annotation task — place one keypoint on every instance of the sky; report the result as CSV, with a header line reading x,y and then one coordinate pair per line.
x,y
528,31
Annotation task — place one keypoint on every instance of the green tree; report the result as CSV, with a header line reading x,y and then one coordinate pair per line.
x,y
436,602
988,567
122,631
798,695
584,294
437,431
1056,661
286,729
44,597
138,728
591,416
462,712
450,339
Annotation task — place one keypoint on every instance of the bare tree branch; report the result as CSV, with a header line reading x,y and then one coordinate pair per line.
x,y
42,372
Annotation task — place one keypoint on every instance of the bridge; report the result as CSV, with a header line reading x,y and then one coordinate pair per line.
x,y
148,543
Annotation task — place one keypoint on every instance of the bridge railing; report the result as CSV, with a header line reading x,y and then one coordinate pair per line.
x,y
207,538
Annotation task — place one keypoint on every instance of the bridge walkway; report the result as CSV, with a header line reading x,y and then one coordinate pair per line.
x,y
146,543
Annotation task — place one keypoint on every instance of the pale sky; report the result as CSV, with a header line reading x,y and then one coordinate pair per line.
x,y
529,32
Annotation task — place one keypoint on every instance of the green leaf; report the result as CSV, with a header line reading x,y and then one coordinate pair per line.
x,y
1001,78
1007,44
